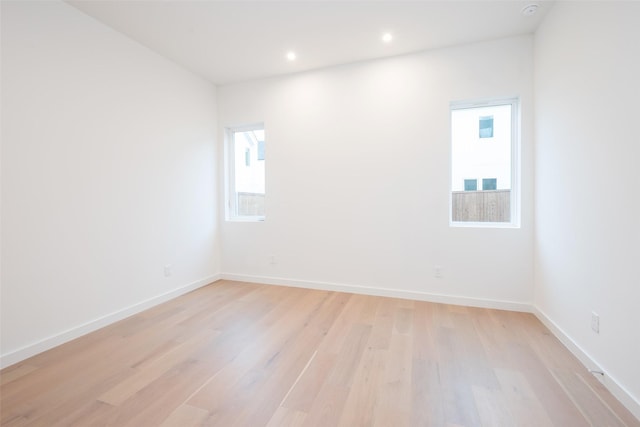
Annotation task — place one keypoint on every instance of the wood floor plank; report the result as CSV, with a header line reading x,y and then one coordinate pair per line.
x,y
256,355
549,349
88,414
156,402
243,354
150,371
350,355
285,417
587,402
361,403
427,403
42,395
394,399
427,406
493,407
560,408
72,398
303,395
287,362
458,402
383,324
15,372
328,406
186,415
524,405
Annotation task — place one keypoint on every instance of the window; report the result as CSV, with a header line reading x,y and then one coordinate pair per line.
x,y
489,184
470,184
484,143
246,173
486,127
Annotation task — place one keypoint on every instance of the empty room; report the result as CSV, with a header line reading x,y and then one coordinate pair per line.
x,y
320,213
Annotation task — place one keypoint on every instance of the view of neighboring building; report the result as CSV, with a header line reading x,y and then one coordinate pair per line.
x,y
481,163
249,172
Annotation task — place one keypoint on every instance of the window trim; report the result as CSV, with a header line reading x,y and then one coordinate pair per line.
x,y
515,202
231,207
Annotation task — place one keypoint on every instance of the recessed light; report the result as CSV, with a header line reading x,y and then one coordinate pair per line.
x,y
530,9
291,56
387,37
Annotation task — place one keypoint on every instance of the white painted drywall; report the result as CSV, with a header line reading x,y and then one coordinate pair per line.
x,y
358,177
108,175
587,249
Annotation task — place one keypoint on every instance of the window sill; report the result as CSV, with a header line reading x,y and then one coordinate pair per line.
x,y
246,219
470,224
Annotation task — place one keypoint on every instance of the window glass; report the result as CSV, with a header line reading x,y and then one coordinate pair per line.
x,y
486,127
483,141
489,184
470,184
246,174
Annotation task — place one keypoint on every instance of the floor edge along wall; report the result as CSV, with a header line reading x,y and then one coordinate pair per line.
x,y
610,383
45,344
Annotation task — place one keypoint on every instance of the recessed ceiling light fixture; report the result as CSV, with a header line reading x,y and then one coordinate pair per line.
x,y
387,37
530,9
291,56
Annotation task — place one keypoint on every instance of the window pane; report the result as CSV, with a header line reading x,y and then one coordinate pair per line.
x,y
470,185
489,184
248,184
486,127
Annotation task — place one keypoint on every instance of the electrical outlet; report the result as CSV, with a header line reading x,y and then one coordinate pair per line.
x,y
167,270
437,272
595,322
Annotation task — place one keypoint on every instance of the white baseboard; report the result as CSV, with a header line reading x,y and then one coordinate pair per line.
x,y
608,381
76,332
384,292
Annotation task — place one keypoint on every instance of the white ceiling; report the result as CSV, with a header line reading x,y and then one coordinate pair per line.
x,y
231,41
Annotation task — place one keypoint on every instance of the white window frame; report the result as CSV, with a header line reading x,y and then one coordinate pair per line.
x,y
515,202
231,208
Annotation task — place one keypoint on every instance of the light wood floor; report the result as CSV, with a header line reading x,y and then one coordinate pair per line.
x,y
238,354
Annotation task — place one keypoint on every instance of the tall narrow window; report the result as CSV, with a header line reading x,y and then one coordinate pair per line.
x,y
484,143
246,173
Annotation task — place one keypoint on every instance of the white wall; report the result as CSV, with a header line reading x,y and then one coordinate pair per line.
x,y
346,207
587,250
108,174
